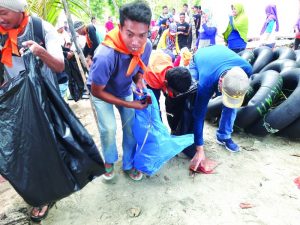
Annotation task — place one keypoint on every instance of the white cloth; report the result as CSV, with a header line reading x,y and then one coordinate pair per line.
x,y
52,45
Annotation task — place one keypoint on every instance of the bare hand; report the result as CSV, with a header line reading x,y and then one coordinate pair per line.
x,y
138,105
198,157
70,55
200,163
34,47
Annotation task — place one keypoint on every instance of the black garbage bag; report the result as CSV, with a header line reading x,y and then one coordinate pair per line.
x,y
76,84
45,152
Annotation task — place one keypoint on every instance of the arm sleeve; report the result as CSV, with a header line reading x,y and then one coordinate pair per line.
x,y
209,30
52,41
270,26
193,70
103,67
200,109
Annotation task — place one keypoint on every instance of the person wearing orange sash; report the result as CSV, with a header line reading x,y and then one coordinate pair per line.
x,y
119,60
163,76
16,34
92,41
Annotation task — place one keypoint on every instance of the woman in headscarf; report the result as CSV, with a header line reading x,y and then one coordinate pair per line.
x,y
268,30
207,31
236,33
169,39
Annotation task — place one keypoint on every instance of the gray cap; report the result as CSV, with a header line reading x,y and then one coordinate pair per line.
x,y
234,87
14,5
78,25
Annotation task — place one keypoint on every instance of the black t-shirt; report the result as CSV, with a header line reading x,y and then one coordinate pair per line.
x,y
197,20
182,38
91,29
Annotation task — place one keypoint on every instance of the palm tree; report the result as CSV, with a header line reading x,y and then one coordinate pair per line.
x,y
50,10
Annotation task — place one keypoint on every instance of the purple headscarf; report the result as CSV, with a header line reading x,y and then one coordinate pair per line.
x,y
271,12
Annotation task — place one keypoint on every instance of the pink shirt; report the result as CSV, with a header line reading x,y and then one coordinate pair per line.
x,y
109,26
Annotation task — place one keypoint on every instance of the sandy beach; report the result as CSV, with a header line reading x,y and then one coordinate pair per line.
x,y
261,175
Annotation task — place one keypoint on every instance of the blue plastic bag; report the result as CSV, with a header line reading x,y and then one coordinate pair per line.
x,y
155,145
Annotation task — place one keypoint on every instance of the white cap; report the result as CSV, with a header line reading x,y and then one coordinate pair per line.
x,y
234,87
14,5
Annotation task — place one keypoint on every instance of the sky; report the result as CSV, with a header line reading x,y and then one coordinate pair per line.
x,y
287,10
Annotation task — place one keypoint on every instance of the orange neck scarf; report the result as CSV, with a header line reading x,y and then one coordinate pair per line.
x,y
88,40
114,40
11,44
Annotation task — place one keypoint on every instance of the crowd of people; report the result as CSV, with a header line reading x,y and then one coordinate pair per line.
x,y
124,56
196,27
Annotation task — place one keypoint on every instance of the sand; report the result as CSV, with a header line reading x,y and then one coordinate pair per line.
x,y
261,175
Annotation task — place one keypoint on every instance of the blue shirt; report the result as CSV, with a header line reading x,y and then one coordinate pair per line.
x,y
270,26
235,41
209,64
110,67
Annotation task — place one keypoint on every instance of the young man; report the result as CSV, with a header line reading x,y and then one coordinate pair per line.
x,y
182,31
16,32
222,71
121,59
196,19
92,40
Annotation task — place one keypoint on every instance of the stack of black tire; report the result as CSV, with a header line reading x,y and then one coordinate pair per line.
x,y
272,104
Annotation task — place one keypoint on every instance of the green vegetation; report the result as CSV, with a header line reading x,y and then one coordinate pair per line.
x,y
50,9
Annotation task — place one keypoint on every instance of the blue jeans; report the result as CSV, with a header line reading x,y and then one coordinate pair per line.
x,y
107,125
63,88
226,123
227,117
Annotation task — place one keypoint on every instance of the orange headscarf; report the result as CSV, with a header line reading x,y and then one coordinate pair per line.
x,y
114,40
11,44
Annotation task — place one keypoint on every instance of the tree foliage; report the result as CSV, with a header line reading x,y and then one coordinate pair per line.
x,y
50,10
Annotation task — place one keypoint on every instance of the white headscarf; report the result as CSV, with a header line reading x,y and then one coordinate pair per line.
x,y
210,21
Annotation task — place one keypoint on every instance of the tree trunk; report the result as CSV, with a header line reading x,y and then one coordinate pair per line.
x,y
73,33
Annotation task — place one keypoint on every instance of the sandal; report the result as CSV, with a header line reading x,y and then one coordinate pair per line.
x,y
109,171
39,218
134,174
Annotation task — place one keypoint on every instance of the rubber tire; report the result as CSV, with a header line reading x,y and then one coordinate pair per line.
x,y
281,65
263,56
265,87
285,113
248,55
284,53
